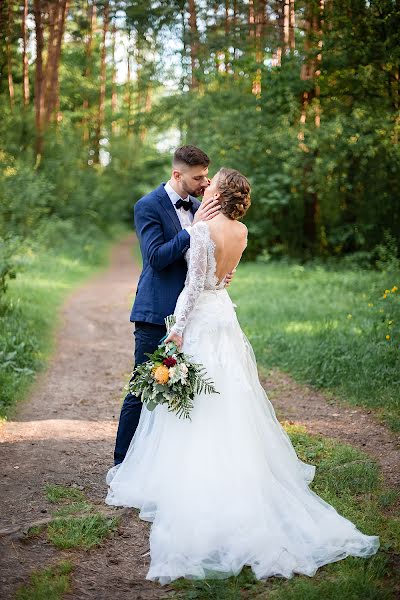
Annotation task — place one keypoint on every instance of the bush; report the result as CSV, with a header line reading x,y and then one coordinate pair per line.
x,y
8,263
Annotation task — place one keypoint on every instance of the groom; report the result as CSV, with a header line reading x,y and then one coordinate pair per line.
x,y
163,219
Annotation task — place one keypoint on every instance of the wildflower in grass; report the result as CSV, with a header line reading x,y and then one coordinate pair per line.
x,y
394,288
388,337
387,291
384,296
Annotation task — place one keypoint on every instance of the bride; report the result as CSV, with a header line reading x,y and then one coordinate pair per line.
x,y
226,488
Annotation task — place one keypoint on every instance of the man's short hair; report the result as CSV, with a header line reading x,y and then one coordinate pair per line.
x,y
191,156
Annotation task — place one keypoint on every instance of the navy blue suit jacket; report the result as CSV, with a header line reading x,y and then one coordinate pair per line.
x,y
163,243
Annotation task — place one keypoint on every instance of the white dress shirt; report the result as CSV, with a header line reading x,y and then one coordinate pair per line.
x,y
185,216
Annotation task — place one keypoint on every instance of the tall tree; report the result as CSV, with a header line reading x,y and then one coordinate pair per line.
x,y
103,80
46,74
87,72
10,16
113,78
194,43
310,71
25,65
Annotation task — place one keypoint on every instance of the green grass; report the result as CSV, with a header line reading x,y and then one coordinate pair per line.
x,y
327,328
73,509
49,584
60,493
244,585
349,480
76,522
83,532
30,310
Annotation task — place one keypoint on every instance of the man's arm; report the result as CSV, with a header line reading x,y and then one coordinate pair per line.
x,y
159,253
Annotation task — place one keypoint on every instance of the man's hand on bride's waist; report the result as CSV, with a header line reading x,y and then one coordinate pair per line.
x,y
229,277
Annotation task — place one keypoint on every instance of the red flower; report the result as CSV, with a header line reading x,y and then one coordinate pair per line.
x,y
169,362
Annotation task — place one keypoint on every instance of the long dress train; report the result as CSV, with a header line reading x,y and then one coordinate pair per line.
x,y
226,489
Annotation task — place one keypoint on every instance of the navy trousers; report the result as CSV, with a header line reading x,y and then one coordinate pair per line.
x,y
147,338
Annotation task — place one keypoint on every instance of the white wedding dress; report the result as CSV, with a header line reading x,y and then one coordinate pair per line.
x,y
226,488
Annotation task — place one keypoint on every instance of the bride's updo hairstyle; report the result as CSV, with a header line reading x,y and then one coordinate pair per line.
x,y
234,191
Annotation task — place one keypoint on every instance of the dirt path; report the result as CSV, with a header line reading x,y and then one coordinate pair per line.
x,y
332,418
65,435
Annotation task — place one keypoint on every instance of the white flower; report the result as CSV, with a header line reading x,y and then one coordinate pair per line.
x,y
174,374
184,369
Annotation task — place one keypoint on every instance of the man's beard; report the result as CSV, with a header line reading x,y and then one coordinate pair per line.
x,y
193,192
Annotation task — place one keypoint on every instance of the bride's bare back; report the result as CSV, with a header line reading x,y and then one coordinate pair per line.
x,y
230,239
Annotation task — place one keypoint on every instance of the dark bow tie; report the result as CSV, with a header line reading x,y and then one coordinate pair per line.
x,y
186,204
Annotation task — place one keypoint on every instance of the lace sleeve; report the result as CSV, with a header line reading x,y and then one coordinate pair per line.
x,y
197,270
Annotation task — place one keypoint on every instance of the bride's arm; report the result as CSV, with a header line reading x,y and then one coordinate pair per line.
x,y
195,280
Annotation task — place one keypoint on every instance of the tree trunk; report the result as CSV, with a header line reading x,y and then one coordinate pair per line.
x,y
25,65
227,35
319,22
251,19
235,32
311,70
38,79
92,15
9,58
113,81
286,24
277,55
292,25
147,109
194,43
46,77
128,93
102,91
58,14
260,23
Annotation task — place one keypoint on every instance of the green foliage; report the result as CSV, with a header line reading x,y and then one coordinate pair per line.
x,y
29,312
49,584
7,263
324,172
388,254
327,327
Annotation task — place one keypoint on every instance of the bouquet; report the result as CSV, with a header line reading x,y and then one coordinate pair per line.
x,y
169,377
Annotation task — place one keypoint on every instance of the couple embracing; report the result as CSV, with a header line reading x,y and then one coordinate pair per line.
x,y
226,488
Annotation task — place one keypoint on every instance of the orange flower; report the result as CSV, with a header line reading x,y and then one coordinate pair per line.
x,y
161,374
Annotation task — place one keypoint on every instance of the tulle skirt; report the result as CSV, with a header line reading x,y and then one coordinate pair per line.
x,y
227,489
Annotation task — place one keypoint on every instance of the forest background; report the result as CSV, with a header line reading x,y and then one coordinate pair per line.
x,y
302,96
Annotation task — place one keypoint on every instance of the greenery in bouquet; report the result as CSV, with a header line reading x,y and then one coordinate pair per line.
x,y
169,377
